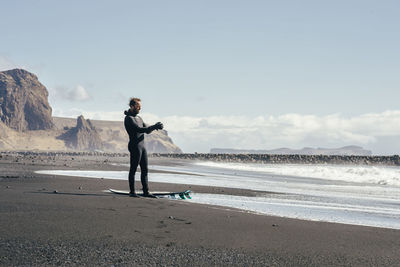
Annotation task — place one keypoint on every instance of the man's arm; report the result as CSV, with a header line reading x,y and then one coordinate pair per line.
x,y
146,129
134,127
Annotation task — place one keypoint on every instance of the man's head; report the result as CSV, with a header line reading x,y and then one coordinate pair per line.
x,y
135,105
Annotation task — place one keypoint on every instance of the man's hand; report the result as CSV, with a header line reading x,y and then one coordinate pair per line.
x,y
158,126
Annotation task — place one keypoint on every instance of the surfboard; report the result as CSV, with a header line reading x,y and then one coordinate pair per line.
x,y
182,195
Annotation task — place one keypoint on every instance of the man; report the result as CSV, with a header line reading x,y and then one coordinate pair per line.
x,y
136,129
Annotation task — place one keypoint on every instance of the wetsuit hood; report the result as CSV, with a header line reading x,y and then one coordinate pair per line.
x,y
130,113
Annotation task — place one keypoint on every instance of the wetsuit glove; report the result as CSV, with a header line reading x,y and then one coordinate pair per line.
x,y
158,126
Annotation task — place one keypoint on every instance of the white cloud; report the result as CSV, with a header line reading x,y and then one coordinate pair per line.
x,y
77,94
268,132
94,115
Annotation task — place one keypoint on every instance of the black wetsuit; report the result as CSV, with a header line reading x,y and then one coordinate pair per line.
x,y
136,129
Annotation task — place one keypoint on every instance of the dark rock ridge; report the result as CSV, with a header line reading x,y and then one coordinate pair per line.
x,y
83,137
288,159
24,101
346,150
393,160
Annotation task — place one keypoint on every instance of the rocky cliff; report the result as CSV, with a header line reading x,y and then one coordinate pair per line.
x,y
26,123
115,138
83,136
24,101
160,142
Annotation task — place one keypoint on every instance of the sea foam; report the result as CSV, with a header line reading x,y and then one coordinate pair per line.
x,y
383,175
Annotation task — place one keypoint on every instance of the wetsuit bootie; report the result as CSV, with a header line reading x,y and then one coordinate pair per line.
x,y
133,195
147,194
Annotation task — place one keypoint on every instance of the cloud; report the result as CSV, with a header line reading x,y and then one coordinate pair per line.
x,y
94,115
77,94
269,132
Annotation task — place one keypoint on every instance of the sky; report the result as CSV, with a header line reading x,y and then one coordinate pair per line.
x,y
222,73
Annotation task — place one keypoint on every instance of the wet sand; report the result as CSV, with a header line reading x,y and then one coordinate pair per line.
x,y
82,225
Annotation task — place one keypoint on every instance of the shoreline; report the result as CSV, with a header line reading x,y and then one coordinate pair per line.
x,y
370,160
81,225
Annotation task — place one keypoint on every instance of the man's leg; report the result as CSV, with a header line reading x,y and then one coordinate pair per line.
x,y
144,170
134,162
144,173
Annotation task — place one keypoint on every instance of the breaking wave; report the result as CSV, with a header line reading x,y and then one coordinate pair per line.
x,y
383,175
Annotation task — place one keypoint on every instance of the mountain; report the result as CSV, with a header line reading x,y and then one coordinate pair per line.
x,y
11,139
26,123
346,150
115,138
83,136
23,101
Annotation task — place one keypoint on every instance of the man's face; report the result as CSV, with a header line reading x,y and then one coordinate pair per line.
x,y
136,108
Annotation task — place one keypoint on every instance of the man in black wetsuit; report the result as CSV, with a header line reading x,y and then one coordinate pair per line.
x,y
136,129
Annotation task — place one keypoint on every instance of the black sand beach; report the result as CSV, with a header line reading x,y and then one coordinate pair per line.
x,y
82,225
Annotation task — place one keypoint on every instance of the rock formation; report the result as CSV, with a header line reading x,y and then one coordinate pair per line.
x,y
115,138
24,101
347,150
26,123
83,137
160,142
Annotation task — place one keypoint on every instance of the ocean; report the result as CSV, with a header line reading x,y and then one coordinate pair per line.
x,y
350,194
